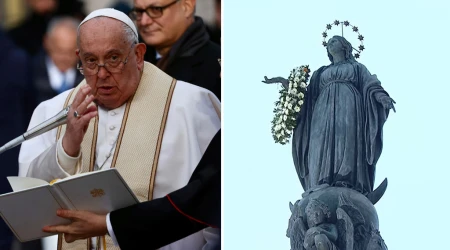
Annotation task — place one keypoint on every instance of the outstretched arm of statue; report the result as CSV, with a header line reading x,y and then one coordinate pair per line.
x,y
386,101
380,96
283,81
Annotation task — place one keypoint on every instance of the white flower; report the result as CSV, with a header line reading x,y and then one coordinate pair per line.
x,y
291,101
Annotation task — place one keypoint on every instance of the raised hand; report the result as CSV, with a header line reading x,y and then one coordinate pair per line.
x,y
387,102
80,113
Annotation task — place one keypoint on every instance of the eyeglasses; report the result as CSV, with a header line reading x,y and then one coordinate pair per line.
x,y
112,64
151,11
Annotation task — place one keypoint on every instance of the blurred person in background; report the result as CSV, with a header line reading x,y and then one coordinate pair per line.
x,y
215,30
29,34
123,6
14,116
55,66
178,41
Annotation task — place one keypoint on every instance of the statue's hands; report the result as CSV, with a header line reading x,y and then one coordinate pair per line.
x,y
387,102
283,81
267,80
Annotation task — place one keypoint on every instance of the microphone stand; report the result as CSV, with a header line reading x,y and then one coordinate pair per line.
x,y
55,121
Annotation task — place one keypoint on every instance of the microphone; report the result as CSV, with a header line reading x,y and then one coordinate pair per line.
x,y
55,121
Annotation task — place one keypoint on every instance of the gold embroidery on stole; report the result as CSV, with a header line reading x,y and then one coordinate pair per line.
x,y
139,141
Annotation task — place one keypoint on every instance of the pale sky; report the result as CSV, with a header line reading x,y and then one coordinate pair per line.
x,y
406,47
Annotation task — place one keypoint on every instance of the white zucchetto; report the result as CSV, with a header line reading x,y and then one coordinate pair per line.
x,y
112,13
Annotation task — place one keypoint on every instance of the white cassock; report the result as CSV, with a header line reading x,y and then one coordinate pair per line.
x,y
192,122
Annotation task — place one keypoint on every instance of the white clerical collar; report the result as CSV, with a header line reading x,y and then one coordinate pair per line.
x,y
158,56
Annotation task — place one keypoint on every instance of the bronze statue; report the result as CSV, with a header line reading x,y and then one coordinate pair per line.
x,y
336,143
338,137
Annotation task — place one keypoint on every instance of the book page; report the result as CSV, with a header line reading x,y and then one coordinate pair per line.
x,y
99,192
75,176
27,212
22,183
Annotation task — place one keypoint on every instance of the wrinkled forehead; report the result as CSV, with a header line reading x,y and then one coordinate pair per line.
x,y
102,34
99,23
101,29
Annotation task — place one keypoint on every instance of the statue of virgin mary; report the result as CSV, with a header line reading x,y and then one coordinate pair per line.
x,y
338,136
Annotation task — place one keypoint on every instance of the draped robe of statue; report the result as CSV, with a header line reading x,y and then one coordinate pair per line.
x,y
157,139
338,137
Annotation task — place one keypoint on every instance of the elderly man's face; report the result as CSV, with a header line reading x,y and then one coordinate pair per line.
x,y
164,31
103,39
60,45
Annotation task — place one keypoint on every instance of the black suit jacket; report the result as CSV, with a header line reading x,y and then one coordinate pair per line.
x,y
159,222
201,69
14,90
41,80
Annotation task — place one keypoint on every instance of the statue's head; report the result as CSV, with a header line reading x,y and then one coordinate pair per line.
x,y
317,212
338,45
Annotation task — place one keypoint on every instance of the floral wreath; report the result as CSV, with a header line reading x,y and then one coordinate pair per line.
x,y
289,105
354,29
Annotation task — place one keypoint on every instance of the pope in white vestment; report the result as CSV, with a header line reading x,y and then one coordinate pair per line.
x,y
155,139
191,124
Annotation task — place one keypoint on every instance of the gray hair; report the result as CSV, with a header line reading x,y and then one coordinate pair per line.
x,y
128,32
67,21
130,36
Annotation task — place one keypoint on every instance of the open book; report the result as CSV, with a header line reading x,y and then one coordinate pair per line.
x,y
33,202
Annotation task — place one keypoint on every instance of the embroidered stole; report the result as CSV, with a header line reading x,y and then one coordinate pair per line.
x,y
138,146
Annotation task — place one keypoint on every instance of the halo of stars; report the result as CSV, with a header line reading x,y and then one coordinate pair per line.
x,y
354,29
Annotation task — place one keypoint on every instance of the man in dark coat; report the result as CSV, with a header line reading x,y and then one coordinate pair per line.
x,y
14,87
54,68
178,42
